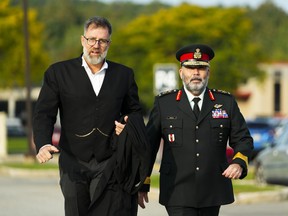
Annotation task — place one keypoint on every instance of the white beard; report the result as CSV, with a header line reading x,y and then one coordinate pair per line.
x,y
195,89
94,60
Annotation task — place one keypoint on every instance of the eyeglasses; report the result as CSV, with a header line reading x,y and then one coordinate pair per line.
x,y
93,41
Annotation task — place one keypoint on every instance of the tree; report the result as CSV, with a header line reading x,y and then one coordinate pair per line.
x,y
270,31
156,38
62,41
12,46
63,29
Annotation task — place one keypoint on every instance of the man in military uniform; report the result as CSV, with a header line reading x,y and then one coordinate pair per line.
x,y
195,177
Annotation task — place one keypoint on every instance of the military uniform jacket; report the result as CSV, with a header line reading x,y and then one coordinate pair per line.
x,y
194,152
87,120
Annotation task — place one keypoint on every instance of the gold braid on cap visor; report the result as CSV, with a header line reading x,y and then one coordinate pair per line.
x,y
194,63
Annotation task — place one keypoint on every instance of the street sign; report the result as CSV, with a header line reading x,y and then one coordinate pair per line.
x,y
165,77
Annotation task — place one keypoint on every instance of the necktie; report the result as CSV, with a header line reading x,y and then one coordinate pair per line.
x,y
196,109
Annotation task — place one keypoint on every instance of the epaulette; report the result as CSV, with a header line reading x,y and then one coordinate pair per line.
x,y
167,92
221,91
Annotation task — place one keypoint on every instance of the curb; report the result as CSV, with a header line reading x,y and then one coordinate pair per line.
x,y
19,172
264,196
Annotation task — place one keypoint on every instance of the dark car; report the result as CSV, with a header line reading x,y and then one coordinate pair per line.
x,y
271,165
15,128
263,132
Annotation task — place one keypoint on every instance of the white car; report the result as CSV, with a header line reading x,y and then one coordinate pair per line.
x,y
271,164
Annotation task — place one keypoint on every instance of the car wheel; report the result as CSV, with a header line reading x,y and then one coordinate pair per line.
x,y
259,175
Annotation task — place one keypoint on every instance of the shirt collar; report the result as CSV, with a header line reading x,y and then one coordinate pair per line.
x,y
85,65
190,96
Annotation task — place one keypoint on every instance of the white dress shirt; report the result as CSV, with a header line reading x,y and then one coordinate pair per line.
x,y
97,78
191,97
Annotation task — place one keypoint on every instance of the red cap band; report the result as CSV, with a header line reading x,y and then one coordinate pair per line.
x,y
190,56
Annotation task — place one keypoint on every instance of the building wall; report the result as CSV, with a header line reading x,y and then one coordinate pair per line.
x,y
263,95
16,97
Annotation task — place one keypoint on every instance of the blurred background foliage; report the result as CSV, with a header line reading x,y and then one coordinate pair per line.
x,y
143,35
12,58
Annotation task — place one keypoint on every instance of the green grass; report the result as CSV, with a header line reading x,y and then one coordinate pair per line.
x,y
252,187
17,145
31,165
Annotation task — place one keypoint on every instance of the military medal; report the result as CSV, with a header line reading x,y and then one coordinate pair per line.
x,y
219,113
171,137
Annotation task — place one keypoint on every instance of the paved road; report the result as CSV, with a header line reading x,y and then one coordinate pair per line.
x,y
34,196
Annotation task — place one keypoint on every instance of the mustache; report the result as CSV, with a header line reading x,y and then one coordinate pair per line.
x,y
196,78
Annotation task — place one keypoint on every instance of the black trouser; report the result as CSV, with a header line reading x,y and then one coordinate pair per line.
x,y
78,181
189,211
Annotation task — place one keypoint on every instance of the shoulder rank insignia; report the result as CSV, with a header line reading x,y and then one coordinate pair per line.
x,y
221,91
167,92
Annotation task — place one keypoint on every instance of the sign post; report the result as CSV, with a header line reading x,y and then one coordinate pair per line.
x,y
3,135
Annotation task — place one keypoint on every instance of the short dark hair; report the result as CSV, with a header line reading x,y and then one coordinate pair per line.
x,y
98,22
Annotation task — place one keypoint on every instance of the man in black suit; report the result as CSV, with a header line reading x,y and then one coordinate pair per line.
x,y
91,94
195,177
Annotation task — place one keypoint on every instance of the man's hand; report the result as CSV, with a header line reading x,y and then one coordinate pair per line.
x,y
142,198
234,171
119,127
46,153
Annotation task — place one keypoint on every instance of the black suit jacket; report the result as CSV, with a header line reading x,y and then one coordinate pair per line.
x,y
194,152
125,171
87,120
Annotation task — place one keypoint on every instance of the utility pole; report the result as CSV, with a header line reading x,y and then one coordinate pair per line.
x,y
28,81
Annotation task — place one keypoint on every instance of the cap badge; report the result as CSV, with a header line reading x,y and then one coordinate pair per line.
x,y
197,54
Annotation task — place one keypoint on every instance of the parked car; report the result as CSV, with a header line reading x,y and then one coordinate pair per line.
x,y
281,126
56,135
271,165
229,153
15,128
263,131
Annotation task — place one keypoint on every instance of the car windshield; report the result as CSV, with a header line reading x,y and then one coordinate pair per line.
x,y
282,139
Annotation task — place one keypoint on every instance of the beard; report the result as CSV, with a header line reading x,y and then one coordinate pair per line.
x,y
94,60
195,88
